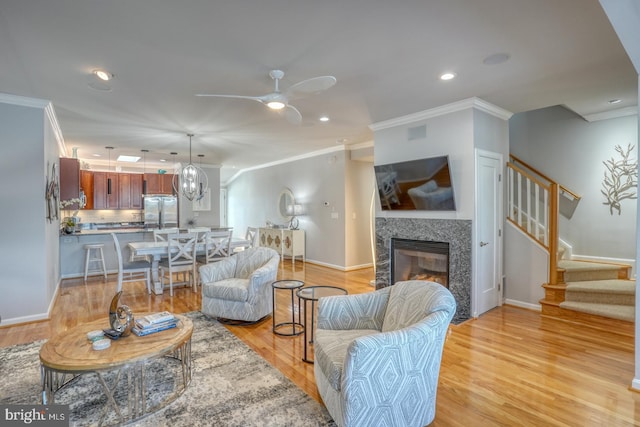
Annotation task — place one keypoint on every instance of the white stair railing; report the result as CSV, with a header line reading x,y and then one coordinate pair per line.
x,y
533,207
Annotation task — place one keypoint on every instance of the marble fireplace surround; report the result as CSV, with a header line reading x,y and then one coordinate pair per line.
x,y
453,231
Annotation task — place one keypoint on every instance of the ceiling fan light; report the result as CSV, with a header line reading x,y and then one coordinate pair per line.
x,y
275,105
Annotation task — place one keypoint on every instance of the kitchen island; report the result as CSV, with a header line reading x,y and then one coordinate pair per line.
x,y
72,254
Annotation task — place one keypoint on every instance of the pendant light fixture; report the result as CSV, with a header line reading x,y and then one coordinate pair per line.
x,y
190,181
144,172
109,171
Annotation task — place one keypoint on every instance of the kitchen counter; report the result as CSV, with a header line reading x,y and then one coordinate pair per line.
x,y
121,230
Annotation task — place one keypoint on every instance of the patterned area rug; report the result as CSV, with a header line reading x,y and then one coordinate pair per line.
x,y
231,385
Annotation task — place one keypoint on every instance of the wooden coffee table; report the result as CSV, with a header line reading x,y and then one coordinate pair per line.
x,y
70,354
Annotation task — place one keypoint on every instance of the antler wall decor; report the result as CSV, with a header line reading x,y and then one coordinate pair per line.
x,y
620,179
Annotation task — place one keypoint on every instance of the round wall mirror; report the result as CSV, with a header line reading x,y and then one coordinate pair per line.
x,y
285,200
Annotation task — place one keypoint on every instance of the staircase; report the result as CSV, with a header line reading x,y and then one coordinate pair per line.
x,y
599,295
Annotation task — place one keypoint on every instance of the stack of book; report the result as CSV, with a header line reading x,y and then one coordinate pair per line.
x,y
155,322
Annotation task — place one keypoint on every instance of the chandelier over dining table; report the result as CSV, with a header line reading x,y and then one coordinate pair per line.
x,y
190,181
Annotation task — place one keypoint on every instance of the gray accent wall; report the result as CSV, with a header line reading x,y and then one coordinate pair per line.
x,y
571,151
29,244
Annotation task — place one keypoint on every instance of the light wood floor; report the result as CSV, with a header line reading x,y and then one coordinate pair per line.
x,y
509,367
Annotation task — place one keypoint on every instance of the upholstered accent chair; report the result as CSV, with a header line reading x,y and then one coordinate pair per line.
x,y
377,355
239,287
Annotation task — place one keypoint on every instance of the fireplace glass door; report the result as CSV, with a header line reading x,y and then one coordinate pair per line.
x,y
420,260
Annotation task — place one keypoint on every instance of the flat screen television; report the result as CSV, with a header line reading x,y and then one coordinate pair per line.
x,y
423,184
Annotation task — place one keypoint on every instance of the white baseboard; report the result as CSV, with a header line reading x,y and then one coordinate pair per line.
x,y
340,267
521,304
635,384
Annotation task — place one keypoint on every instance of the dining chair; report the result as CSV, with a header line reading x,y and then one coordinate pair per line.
x,y
217,246
181,259
131,271
252,236
160,234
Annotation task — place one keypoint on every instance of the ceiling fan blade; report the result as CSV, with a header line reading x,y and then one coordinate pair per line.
x,y
313,85
292,115
253,98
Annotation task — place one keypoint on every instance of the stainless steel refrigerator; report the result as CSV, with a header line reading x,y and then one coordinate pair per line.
x,y
160,211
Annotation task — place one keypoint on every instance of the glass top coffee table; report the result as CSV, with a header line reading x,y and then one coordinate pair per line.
x,y
312,294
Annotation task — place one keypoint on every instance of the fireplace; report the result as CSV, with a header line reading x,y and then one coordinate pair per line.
x,y
455,233
420,260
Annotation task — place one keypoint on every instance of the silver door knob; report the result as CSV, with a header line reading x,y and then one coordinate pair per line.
x,y
483,244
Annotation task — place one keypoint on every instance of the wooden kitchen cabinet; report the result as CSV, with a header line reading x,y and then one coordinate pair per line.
x,y
69,181
136,191
101,198
159,183
86,185
124,191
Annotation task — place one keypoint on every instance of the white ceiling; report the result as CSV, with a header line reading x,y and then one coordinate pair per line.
x,y
386,55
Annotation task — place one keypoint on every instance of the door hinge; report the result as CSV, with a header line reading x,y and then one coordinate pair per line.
x,y
499,287
499,177
499,233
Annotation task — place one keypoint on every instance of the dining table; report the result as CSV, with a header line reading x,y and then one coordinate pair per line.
x,y
160,249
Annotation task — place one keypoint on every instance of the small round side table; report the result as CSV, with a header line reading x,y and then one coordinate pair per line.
x,y
296,327
313,294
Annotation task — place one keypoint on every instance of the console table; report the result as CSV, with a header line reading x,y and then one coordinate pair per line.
x,y
287,242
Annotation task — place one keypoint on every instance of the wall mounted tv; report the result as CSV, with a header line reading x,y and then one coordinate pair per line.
x,y
423,184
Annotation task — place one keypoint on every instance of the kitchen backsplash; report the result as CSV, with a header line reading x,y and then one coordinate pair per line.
x,y
101,216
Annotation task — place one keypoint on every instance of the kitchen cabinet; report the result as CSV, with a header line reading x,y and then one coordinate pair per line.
x,y
289,243
101,197
159,183
86,185
124,191
136,191
69,181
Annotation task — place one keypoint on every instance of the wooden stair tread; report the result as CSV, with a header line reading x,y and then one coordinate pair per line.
x,y
619,286
613,311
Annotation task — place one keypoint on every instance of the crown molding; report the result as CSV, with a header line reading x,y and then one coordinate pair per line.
x,y
287,160
465,104
23,101
611,114
49,111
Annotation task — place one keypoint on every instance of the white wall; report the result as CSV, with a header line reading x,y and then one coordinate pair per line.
x,y
526,268
29,244
450,134
252,199
571,151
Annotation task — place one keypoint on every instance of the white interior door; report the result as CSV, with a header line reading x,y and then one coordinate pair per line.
x,y
488,241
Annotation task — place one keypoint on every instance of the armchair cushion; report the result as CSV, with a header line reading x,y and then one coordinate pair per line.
x,y
230,289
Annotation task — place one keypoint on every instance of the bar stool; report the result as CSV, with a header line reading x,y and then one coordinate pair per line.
x,y
94,253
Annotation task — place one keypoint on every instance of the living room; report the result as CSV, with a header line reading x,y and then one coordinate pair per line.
x,y
329,182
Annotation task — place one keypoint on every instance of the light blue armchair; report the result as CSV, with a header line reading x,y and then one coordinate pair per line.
x,y
239,287
377,355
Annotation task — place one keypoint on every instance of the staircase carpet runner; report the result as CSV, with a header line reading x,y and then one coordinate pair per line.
x,y
595,288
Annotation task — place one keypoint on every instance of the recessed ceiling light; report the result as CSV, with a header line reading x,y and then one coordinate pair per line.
x,y
103,75
447,76
163,160
97,155
324,119
615,101
130,159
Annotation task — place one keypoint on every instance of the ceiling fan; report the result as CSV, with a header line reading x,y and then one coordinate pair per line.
x,y
279,101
